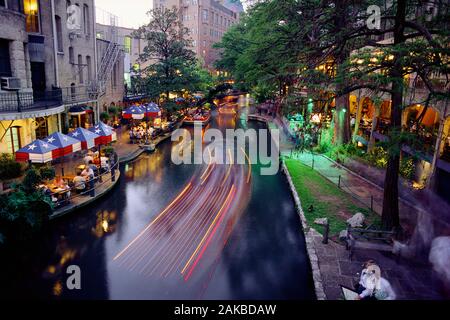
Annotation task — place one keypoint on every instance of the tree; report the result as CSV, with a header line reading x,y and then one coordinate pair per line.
x,y
171,62
329,48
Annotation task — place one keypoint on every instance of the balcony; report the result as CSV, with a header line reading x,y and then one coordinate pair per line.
x,y
76,95
22,105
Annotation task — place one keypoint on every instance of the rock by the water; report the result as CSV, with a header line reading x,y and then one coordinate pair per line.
x,y
343,235
321,221
357,221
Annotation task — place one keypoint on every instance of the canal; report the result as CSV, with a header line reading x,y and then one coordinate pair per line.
x,y
171,231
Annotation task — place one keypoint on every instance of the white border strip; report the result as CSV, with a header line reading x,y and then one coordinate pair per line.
x,y
308,232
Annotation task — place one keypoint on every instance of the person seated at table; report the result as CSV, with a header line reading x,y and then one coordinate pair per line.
x,y
88,173
105,167
94,167
88,158
46,191
79,183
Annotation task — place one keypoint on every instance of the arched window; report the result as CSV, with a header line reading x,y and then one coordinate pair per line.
x,y
89,68
80,68
87,19
71,56
72,90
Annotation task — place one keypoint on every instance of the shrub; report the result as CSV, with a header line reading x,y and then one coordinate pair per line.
x,y
378,157
104,116
47,173
342,152
9,168
108,150
31,181
407,168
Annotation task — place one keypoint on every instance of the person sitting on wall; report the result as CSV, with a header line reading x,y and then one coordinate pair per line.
x,y
376,287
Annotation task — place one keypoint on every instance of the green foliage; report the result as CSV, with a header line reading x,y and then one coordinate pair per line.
x,y
377,157
26,210
105,116
108,150
31,181
174,66
23,214
47,173
264,92
9,168
314,190
114,111
325,145
407,168
342,152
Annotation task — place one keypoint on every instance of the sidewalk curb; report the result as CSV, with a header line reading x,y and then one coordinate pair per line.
x,y
309,240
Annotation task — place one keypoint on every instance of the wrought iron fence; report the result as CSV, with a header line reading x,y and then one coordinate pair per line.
x,y
25,101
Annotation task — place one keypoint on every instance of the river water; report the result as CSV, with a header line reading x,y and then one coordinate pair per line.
x,y
171,231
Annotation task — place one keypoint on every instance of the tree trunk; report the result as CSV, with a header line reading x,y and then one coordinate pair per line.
x,y
375,118
342,130
390,215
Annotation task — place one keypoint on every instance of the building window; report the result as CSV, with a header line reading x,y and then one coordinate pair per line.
x,y
204,43
68,4
71,55
5,62
80,68
87,19
12,139
59,36
205,15
42,129
72,90
127,44
194,43
89,68
31,10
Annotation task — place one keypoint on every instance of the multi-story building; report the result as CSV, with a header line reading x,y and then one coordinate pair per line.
x,y
132,49
207,21
49,69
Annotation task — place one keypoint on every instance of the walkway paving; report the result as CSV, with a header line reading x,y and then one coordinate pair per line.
x,y
411,280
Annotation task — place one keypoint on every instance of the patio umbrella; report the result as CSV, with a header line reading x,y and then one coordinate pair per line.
x,y
86,137
106,134
66,145
38,151
133,112
180,100
151,110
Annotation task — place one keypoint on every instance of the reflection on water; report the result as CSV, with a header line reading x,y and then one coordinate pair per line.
x,y
226,237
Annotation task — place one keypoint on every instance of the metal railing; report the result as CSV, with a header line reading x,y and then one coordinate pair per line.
x,y
91,186
27,101
372,202
79,94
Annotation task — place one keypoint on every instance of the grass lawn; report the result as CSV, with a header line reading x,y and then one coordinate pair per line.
x,y
327,199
